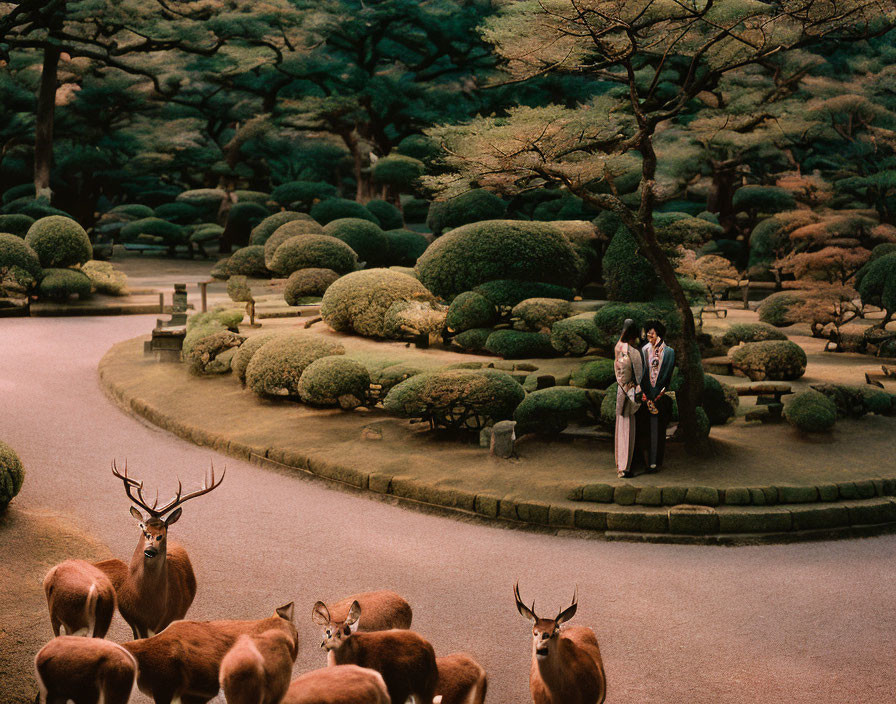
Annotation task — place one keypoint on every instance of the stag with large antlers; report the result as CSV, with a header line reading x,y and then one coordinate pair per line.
x,y
566,665
159,585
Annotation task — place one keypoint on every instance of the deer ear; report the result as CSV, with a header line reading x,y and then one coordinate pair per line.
x,y
567,614
320,614
287,611
172,519
136,514
354,613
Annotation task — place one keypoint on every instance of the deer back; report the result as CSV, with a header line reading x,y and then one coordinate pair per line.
x,y
576,674
257,669
380,611
75,668
340,684
461,679
80,598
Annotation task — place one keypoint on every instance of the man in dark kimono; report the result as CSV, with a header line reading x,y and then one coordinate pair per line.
x,y
656,411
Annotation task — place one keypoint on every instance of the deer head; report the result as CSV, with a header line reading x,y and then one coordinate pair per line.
x,y
545,631
335,632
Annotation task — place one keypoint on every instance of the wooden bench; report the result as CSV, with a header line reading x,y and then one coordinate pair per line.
x,y
718,365
768,394
718,312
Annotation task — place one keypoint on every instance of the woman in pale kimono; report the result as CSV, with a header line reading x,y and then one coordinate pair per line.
x,y
629,369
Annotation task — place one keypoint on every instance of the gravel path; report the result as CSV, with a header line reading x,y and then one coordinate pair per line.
x,y
796,623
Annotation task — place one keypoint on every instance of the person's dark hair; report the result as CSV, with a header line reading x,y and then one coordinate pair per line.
x,y
657,326
630,332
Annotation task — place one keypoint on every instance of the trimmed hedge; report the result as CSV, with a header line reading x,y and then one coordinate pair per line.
x,y
154,229
247,350
405,247
539,314
774,360
302,193
134,211
363,236
751,332
720,401
550,411
472,340
248,261
334,381
245,216
610,318
12,475
179,213
508,292
286,231
337,208
59,242
775,310
811,412
576,335
105,278
276,367
404,318
16,224
473,206
392,375
497,249
877,283
597,374
60,284
627,275
269,225
856,401
514,344
470,310
397,170
416,210
307,283
205,351
14,252
389,216
358,301
313,251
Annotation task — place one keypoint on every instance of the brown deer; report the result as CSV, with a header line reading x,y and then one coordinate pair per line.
x,y
462,680
85,670
159,585
81,599
183,662
257,669
340,684
566,665
404,659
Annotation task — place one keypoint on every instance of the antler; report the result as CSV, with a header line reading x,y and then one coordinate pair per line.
x,y
178,499
207,486
134,484
524,610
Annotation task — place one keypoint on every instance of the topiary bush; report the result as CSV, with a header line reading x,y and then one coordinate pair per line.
x,y
286,231
313,251
514,344
61,284
472,340
245,216
497,249
404,319
248,261
20,268
276,367
246,351
12,475
205,352
610,318
751,332
778,308
627,275
550,411
506,293
399,171
470,310
382,380
597,374
270,224
404,247
243,196
105,278
59,242
877,285
608,406
720,401
576,335
180,213
856,401
206,200
456,399
304,194
134,211
358,302
389,216
539,314
16,224
416,210
335,381
307,283
363,236
811,412
774,360
473,206
337,208
153,230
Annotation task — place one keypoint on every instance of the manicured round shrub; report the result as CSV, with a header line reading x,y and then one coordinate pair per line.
x,y
774,360
763,199
877,283
260,197
880,250
248,261
608,406
751,332
16,224
576,335
399,171
470,310
206,232
239,290
358,302
405,247
23,190
180,213
134,211
219,270
416,210
366,238
627,275
226,317
14,252
206,200
59,242
539,314
302,194
811,412
856,401
313,251
597,374
720,401
514,344
550,411
420,147
247,350
610,318
245,216
473,254
456,398
288,230
473,206
389,216
205,352
472,340
269,225
35,208
153,230
506,293
60,284
12,474
776,309
390,376
334,381
307,283
105,278
276,368
337,208
412,318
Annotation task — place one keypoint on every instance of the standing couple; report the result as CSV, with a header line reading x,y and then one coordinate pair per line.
x,y
643,409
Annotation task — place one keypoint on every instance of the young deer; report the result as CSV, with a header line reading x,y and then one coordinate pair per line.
x,y
340,684
257,669
183,662
461,680
566,665
404,659
159,585
81,599
86,670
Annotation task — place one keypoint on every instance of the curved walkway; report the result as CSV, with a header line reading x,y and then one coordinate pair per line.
x,y
797,623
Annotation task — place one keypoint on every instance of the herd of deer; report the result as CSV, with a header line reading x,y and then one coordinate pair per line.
x,y
372,655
